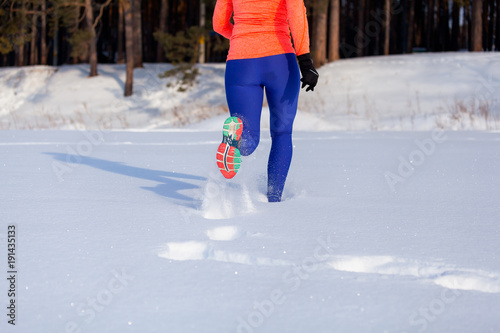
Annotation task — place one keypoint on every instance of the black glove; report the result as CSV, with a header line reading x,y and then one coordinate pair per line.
x,y
309,74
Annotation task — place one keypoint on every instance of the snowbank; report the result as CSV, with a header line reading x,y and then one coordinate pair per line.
x,y
407,92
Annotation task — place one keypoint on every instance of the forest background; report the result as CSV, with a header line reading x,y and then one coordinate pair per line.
x,y
57,32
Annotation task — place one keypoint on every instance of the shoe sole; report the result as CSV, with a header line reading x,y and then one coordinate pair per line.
x,y
228,154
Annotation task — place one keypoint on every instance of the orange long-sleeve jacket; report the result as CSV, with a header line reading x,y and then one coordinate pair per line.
x,y
262,27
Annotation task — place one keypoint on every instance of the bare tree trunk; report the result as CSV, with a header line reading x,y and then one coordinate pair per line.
x,y
468,26
419,24
201,54
160,54
20,55
374,13
361,31
129,46
43,33
89,16
497,35
111,42
346,47
76,24
477,26
464,28
55,50
319,33
486,31
137,26
438,45
490,22
411,26
333,50
387,26
445,25
121,34
493,20
20,49
455,27
430,25
33,49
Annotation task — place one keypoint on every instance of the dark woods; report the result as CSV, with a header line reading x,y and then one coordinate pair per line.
x,y
59,32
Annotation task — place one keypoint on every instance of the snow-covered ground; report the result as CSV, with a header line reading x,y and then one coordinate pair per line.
x,y
136,230
408,92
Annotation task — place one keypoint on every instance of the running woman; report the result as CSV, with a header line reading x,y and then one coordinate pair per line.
x,y
261,56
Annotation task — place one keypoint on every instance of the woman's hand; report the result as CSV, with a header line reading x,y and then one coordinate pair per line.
x,y
309,74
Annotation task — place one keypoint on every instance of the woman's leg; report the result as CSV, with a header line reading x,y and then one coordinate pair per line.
x,y
245,94
245,80
282,91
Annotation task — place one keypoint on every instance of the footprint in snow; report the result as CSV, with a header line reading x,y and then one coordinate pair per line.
x,y
438,273
225,233
207,250
447,276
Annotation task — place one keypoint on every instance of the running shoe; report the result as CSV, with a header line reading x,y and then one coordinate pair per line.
x,y
228,154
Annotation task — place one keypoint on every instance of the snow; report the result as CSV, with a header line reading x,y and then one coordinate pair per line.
x,y
136,230
66,98
457,91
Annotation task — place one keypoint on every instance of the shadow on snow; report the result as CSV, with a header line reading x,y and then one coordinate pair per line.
x,y
167,187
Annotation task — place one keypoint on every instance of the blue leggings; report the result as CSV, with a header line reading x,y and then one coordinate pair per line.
x,y
245,83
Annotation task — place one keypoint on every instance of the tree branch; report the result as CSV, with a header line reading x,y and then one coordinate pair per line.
x,y
101,11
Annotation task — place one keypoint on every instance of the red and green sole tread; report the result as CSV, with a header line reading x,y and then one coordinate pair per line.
x,y
228,154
